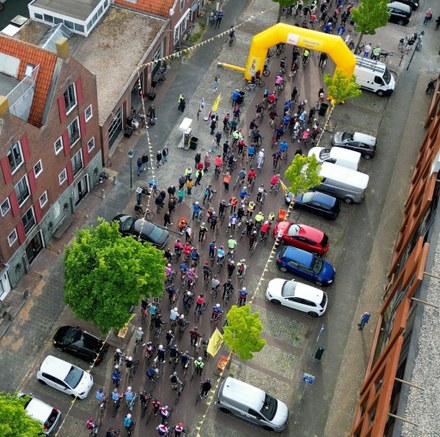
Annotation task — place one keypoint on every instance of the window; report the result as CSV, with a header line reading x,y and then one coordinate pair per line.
x,y
28,220
182,4
48,18
70,97
38,168
62,177
73,132
58,145
91,144
12,237
29,70
88,113
22,190
15,157
5,206
39,16
43,199
77,163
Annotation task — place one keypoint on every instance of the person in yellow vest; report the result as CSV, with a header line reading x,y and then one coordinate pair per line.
x,y
250,208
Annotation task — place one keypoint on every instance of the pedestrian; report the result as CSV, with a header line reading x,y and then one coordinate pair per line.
x,y
139,166
428,16
165,153
158,158
180,195
199,175
206,161
206,388
197,159
182,181
226,180
145,160
188,173
182,103
216,82
367,50
202,232
152,112
219,19
195,210
167,219
213,125
365,317
189,186
218,138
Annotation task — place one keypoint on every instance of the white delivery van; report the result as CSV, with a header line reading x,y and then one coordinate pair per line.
x,y
349,185
374,76
252,404
336,155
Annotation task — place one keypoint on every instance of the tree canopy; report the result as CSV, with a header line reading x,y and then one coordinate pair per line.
x,y
13,418
369,16
303,174
341,87
242,334
106,274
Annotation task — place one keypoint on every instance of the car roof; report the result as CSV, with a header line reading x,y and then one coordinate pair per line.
x,y
322,198
300,255
55,366
38,409
304,291
401,6
244,393
143,225
305,231
364,138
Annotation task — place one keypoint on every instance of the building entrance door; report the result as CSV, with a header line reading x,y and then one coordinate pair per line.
x,y
34,247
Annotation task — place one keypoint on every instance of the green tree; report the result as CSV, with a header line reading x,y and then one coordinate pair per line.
x,y
283,3
341,87
303,175
242,334
13,418
106,274
369,16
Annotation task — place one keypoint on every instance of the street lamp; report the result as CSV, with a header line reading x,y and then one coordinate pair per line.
x,y
130,156
417,46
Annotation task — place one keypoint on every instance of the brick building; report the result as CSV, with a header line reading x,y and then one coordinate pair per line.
x,y
49,147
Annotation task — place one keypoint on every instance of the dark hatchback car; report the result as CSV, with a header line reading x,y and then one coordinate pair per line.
x,y
149,232
80,344
359,142
316,203
400,13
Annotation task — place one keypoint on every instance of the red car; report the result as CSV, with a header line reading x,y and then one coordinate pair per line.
x,y
303,237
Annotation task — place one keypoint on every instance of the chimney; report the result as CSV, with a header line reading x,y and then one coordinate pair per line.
x,y
4,105
62,48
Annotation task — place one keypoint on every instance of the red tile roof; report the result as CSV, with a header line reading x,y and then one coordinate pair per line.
x,y
31,54
156,7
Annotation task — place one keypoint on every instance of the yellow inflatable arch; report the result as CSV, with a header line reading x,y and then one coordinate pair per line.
x,y
333,45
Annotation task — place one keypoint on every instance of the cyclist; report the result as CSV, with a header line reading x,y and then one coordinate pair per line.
x,y
212,249
279,81
101,396
242,295
220,255
144,398
187,249
169,337
215,283
164,414
218,162
139,334
275,180
149,349
231,267
241,268
216,312
174,313
195,256
156,405
253,239
222,208
283,147
199,365
162,430
116,376
306,55
232,243
184,358
187,300
128,364
228,288
116,396
260,158
202,232
171,293
265,228
111,433
129,396
233,220
243,193
259,218
251,207
152,374
206,387
200,301
161,354
206,271
178,429
174,354
231,34
251,152
241,176
175,381
128,423
251,176
195,335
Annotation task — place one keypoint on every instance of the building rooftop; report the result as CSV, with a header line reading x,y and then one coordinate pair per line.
x,y
79,9
7,84
114,50
155,7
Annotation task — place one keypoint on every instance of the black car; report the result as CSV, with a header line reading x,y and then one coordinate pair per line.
x,y
359,142
400,13
148,232
317,203
80,344
414,4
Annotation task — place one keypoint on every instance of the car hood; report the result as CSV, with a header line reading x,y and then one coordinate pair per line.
x,y
282,226
275,286
281,415
328,272
364,138
91,342
85,384
61,333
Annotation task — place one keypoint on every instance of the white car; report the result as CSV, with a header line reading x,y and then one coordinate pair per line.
x,y
48,416
336,155
298,296
65,377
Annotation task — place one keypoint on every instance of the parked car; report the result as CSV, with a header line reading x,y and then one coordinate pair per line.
x,y
317,203
336,155
305,264
148,232
414,4
400,13
362,143
302,236
48,416
80,344
300,297
65,377
252,404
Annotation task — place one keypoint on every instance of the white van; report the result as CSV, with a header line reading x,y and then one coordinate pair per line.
x,y
374,76
336,155
252,404
349,185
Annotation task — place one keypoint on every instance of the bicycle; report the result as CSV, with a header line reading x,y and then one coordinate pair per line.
x,y
252,246
96,428
179,393
220,263
132,369
144,214
116,405
144,404
199,312
159,330
132,403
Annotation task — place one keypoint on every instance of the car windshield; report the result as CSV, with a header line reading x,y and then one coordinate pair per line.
x,y
347,136
386,76
127,224
269,407
73,377
293,230
288,289
307,197
323,301
317,265
72,335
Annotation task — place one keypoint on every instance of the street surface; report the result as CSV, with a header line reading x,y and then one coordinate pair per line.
x,y
292,337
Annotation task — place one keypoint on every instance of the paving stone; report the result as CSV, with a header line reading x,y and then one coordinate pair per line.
x,y
276,361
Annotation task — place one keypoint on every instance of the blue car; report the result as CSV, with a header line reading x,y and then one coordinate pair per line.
x,y
305,264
